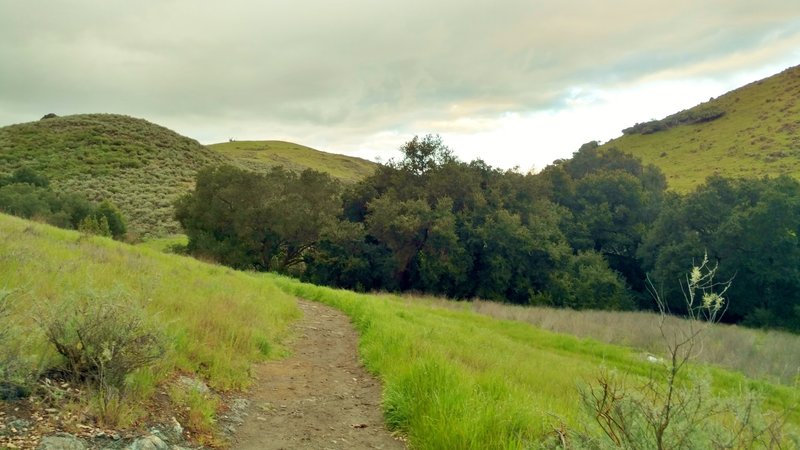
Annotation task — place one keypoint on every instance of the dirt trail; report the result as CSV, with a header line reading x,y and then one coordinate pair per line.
x,y
319,398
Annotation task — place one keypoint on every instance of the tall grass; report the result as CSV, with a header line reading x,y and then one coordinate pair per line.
x,y
457,379
770,355
217,321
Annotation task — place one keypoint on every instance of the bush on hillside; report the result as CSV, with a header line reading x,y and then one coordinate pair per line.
x,y
113,217
102,339
93,225
698,114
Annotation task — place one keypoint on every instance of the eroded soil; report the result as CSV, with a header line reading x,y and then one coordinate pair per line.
x,y
319,398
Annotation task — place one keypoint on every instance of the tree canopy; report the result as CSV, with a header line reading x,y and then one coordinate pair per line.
x,y
589,232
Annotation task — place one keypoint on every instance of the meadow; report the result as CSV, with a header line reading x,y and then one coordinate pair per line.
x,y
452,378
771,355
458,379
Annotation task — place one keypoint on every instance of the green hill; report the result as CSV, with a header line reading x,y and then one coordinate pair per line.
x,y
213,322
263,155
140,166
143,167
749,132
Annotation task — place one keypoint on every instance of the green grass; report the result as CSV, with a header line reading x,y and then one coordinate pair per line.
x,y
758,135
456,379
140,166
260,156
764,354
217,321
167,244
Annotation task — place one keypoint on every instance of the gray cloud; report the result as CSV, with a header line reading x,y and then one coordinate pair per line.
x,y
356,67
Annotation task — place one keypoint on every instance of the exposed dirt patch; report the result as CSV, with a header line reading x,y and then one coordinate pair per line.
x,y
321,397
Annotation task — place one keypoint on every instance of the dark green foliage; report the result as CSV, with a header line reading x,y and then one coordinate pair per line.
x,y
111,214
584,233
612,199
27,194
259,221
750,227
434,224
587,282
698,114
29,176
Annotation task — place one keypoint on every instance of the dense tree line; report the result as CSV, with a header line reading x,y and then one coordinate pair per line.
x,y
584,233
27,194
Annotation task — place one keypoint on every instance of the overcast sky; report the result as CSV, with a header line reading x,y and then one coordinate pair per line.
x,y
514,82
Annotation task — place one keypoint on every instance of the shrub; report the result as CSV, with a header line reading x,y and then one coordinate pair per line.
x,y
95,225
103,339
113,216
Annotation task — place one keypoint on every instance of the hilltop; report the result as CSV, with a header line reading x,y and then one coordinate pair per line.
x,y
749,132
260,156
140,166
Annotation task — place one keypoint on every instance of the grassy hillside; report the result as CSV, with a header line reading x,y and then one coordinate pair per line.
x,y
140,166
455,379
757,134
215,321
263,155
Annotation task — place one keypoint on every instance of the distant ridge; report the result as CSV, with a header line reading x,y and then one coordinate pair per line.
x,y
263,155
749,132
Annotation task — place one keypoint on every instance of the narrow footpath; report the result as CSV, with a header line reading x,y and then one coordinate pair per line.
x,y
319,398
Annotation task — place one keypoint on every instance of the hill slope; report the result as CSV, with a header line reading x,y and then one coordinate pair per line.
x,y
215,322
140,166
260,156
749,132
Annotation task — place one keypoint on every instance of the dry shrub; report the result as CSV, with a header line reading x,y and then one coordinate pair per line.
x,y
102,339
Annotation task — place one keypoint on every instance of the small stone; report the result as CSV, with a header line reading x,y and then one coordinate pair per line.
x,y
61,441
148,443
177,429
194,384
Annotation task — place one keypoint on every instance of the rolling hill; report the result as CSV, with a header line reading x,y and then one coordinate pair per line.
x,y
749,132
260,156
140,166
143,167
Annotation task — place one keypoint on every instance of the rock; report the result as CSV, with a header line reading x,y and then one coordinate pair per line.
x,y
194,384
148,443
176,427
18,426
61,441
240,404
